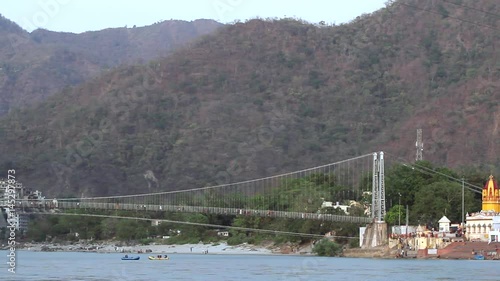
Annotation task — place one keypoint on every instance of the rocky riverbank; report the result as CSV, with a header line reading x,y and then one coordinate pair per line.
x,y
200,248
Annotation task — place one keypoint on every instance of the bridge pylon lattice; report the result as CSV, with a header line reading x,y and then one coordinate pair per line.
x,y
375,233
378,210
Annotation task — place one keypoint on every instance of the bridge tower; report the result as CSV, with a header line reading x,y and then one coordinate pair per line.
x,y
378,188
420,145
376,232
381,186
375,195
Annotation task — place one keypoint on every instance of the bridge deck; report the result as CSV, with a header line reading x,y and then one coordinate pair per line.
x,y
62,205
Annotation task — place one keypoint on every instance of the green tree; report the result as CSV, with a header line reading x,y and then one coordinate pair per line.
x,y
328,248
438,199
404,181
130,230
195,231
109,228
394,215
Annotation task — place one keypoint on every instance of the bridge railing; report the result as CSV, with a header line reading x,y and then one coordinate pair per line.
x,y
63,204
210,210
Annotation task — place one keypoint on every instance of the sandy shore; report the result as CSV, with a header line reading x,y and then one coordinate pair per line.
x,y
200,248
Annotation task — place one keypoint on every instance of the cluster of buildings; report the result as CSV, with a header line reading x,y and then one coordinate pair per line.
x,y
485,224
481,226
346,208
9,216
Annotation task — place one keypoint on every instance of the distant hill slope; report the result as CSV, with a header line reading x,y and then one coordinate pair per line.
x,y
37,64
263,97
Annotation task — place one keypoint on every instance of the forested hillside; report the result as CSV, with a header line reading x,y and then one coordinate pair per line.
x,y
269,96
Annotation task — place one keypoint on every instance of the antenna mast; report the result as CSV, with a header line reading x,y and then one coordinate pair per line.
x,y
419,145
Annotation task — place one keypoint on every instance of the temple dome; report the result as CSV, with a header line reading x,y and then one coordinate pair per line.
x,y
491,196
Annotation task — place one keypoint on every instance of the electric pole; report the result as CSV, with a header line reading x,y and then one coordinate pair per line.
x,y
463,201
407,219
399,207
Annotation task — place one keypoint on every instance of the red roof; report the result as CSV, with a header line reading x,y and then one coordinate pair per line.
x,y
495,186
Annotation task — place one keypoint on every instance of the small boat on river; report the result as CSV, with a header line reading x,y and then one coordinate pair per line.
x,y
478,257
127,258
158,258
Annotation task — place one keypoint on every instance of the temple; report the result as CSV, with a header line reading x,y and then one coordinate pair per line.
x,y
491,196
484,225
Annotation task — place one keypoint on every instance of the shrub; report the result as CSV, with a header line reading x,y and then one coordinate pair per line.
x,y
236,239
146,241
327,248
354,243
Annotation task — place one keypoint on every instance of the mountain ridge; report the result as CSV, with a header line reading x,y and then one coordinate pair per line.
x,y
38,64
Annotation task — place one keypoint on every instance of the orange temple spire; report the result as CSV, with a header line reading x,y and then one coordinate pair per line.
x,y
491,196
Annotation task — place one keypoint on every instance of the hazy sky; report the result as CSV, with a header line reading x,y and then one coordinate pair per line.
x,y
84,15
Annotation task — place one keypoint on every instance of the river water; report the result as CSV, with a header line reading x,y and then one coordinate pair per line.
x,y
93,266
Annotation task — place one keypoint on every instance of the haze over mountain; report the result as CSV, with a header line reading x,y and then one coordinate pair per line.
x,y
37,64
263,97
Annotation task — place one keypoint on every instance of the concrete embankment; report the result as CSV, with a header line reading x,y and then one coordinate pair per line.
x,y
377,252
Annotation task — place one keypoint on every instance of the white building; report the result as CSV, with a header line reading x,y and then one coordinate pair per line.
x,y
223,233
156,222
444,224
479,225
495,230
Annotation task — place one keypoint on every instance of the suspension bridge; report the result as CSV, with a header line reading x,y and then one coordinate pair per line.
x,y
306,194
357,183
